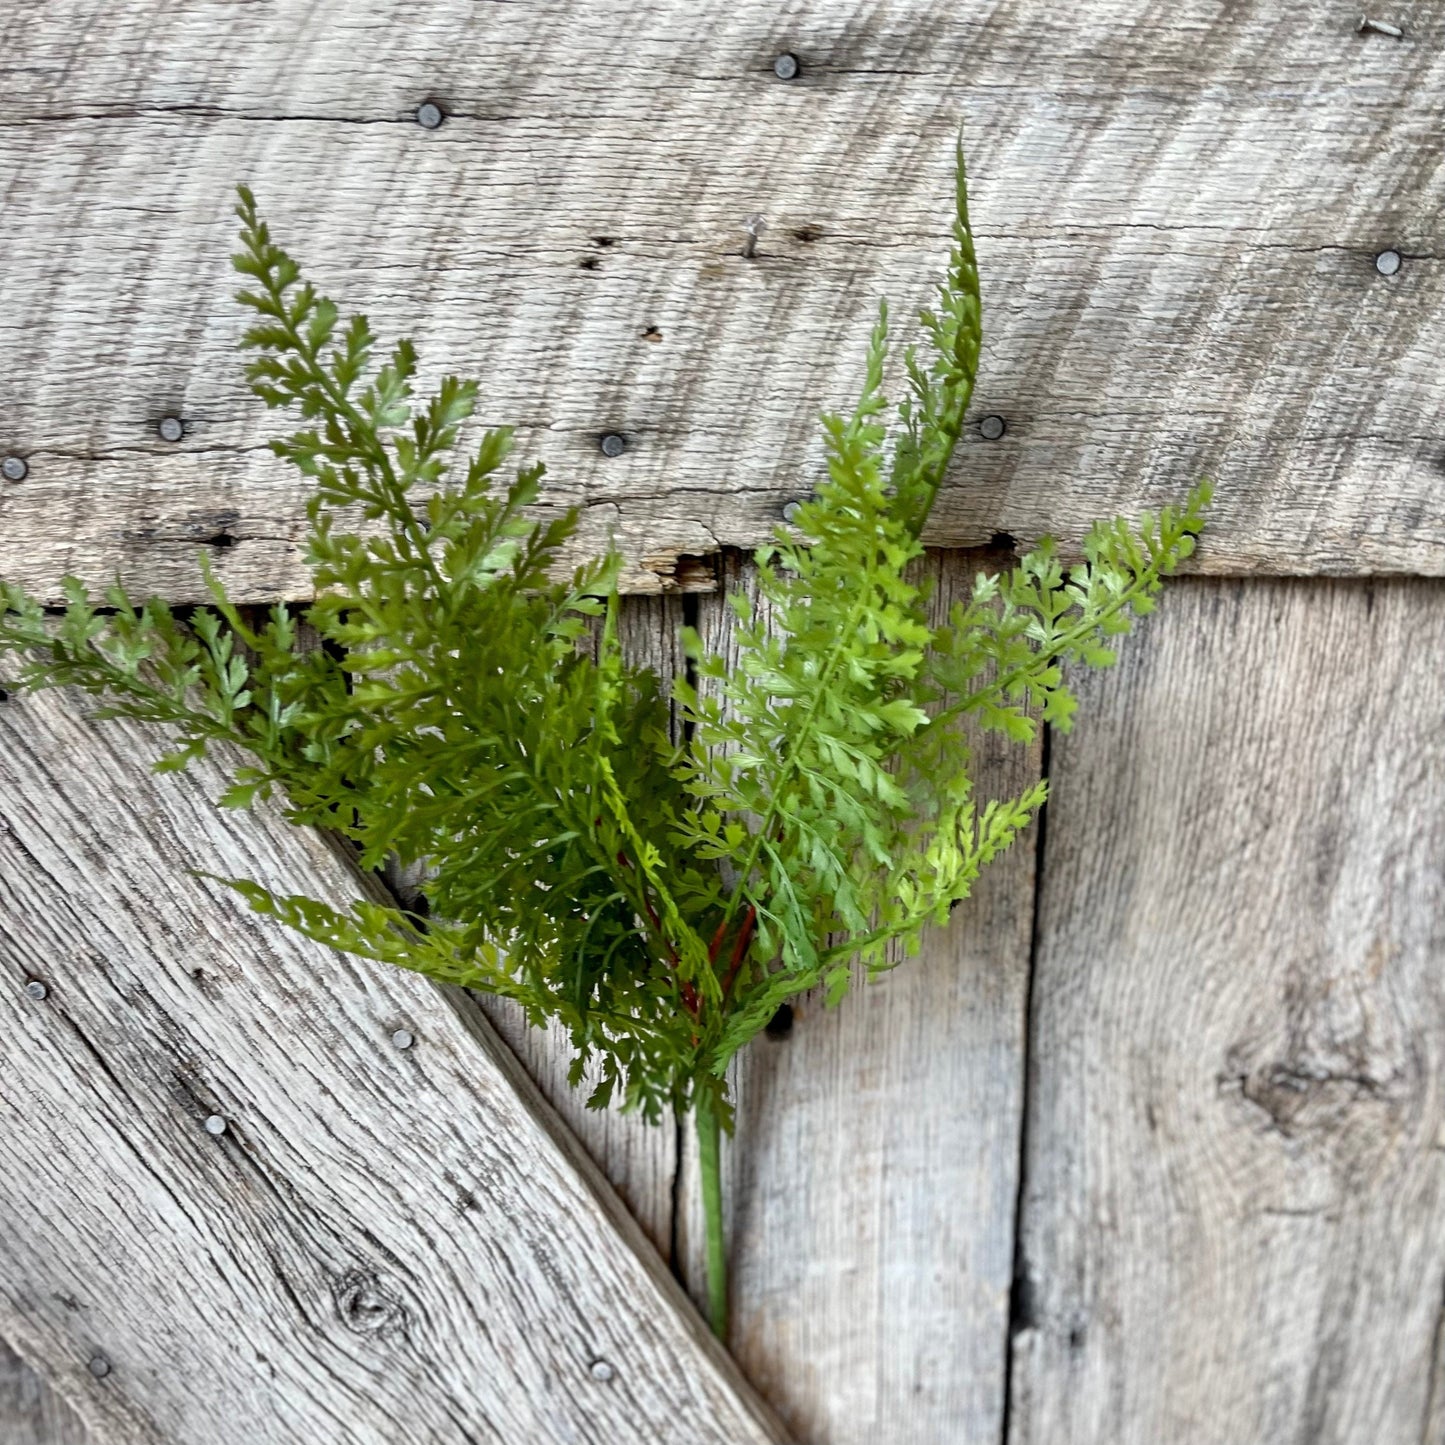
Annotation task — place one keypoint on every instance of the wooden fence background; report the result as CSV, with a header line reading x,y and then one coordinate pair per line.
x,y
1150,1145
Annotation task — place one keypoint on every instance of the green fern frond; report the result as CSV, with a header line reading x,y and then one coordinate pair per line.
x,y
658,901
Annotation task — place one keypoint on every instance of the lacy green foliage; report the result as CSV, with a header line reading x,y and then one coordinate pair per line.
x,y
660,899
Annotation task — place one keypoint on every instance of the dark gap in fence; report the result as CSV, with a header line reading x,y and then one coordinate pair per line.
x,y
1021,1303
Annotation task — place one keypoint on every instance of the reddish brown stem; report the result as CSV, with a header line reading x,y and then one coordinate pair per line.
x,y
740,948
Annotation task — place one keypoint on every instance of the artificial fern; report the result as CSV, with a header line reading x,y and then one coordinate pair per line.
x,y
659,900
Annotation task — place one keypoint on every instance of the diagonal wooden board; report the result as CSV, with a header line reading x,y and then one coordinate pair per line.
x,y
1233,1225
1178,207
384,1244
31,1413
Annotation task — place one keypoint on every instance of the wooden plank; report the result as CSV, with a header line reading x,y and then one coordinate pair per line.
x,y
384,1243
871,1183
1233,1217
1178,208
30,1412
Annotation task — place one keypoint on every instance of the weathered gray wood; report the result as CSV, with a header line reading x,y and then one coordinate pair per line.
x,y
31,1413
1177,206
384,1244
871,1183
1234,1225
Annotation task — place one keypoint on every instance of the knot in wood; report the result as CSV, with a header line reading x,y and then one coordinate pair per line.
x,y
1332,1093
366,1308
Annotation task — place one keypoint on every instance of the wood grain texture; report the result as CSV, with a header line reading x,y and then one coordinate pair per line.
x,y
870,1186
31,1413
383,1245
1234,1223
1178,205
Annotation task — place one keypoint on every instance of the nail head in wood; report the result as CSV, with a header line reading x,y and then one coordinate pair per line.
x,y
98,1366
1380,27
429,115
754,226
786,67
37,990
991,428
14,469
1387,262
790,511
601,1371
613,445
170,428
215,1125
403,1038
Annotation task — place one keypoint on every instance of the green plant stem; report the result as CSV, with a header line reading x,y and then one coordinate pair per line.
x,y
709,1136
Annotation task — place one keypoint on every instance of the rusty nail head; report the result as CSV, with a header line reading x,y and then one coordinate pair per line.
x,y
14,469
36,989
429,115
601,1371
215,1125
1387,262
785,67
991,428
170,428
403,1038
613,445
99,1366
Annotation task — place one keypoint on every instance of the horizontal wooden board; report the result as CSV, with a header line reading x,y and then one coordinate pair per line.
x,y
1234,1222
1178,207
385,1243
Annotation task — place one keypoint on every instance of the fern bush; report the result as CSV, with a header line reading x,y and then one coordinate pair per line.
x,y
659,899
